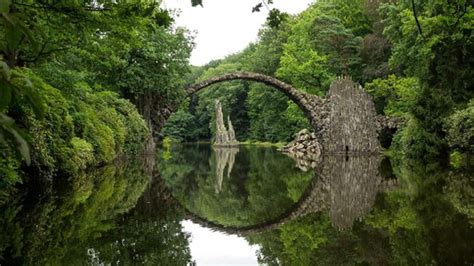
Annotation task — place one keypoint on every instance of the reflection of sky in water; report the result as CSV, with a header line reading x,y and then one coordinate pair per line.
x,y
215,248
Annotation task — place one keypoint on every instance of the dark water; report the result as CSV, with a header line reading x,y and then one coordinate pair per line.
x,y
243,206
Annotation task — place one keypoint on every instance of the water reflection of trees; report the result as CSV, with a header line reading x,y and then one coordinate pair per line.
x,y
87,219
125,212
263,183
422,220
412,214
345,186
151,233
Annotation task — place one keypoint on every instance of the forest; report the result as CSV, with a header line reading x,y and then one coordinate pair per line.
x,y
83,85
81,82
420,74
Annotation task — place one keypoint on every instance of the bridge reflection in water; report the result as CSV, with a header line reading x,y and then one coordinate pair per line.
x,y
352,184
344,186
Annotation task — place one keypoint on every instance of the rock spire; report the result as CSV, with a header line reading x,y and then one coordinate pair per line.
x,y
224,137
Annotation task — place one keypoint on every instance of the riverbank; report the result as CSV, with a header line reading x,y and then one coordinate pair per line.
x,y
247,142
263,143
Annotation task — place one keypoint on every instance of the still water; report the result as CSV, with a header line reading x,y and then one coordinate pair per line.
x,y
194,204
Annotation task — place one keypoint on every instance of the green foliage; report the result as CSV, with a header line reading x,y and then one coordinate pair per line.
x,y
325,42
459,191
309,63
460,129
441,58
196,2
14,86
179,126
61,62
456,159
276,18
83,152
146,242
15,32
9,173
12,136
200,113
302,237
167,148
415,141
426,219
272,116
87,129
394,96
92,213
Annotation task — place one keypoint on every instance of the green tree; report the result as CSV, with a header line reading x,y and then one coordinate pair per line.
x,y
434,46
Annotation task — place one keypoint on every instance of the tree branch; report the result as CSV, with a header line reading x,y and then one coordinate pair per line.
x,y
416,18
46,53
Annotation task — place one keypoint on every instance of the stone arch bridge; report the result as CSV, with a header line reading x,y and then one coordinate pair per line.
x,y
344,122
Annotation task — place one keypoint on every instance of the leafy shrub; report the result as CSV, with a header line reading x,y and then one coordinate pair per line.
x,y
95,131
9,173
394,96
129,127
50,136
456,159
86,129
177,126
414,141
460,129
83,153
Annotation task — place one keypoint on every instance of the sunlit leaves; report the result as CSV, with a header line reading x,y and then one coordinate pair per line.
x,y
305,68
394,96
322,45
442,60
460,129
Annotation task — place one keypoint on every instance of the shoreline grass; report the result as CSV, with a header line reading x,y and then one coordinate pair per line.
x,y
263,143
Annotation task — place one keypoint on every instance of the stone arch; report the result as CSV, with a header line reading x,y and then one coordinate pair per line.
x,y
311,105
312,200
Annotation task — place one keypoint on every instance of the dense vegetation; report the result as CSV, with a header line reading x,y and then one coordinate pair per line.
x,y
418,68
67,69
82,83
103,216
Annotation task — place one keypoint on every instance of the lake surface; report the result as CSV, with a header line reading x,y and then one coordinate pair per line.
x,y
195,204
